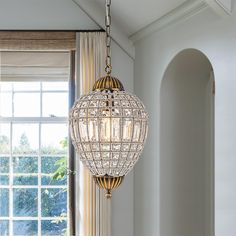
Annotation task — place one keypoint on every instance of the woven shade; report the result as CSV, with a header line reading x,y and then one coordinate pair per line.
x,y
19,40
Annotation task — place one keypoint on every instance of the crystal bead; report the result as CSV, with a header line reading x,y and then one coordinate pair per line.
x,y
106,164
93,112
121,163
114,163
133,104
82,156
125,103
133,147
125,147
97,155
89,156
102,104
130,156
95,147
116,147
124,155
98,164
105,112
116,103
84,104
116,155
105,155
91,164
115,112
127,112
86,147
93,103
140,147
105,147
82,113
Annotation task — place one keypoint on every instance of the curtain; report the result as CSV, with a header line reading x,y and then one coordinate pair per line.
x,y
94,209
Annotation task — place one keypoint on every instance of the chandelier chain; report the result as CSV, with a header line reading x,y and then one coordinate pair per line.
x,y
108,37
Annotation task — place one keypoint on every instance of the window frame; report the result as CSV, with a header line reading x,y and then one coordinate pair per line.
x,y
71,157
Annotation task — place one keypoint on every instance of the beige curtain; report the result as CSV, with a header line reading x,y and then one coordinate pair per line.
x,y
94,209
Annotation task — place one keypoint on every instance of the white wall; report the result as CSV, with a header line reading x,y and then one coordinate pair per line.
x,y
216,38
66,15
43,14
123,197
184,146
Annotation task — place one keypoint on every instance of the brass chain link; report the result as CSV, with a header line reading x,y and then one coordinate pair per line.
x,y
108,67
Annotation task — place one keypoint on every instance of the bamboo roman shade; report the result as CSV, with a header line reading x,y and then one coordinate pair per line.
x,y
34,65
27,55
37,40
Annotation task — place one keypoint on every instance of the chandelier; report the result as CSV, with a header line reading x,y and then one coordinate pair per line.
x,y
108,126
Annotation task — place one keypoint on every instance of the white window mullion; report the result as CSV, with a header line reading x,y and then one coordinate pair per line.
x,y
11,171
31,187
10,186
39,184
49,120
39,167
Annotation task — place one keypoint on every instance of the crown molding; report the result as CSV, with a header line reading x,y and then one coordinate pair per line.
x,y
221,7
96,13
183,12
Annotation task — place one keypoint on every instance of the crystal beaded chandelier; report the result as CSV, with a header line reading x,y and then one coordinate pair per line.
x,y
108,126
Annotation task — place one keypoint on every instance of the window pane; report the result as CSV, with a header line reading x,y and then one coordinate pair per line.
x,y
54,202
4,180
5,86
27,104
4,139
4,165
55,86
53,228
6,104
5,99
25,202
4,202
55,104
26,86
54,138
4,227
49,180
50,166
25,138
25,180
25,164
25,227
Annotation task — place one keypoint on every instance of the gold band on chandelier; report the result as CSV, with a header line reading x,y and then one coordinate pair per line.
x,y
108,183
108,82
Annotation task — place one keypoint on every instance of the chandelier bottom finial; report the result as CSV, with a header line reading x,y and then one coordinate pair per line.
x,y
108,183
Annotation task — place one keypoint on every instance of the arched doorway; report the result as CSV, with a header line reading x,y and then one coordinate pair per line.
x,y
187,146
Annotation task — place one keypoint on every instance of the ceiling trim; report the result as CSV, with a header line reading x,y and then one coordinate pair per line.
x,y
221,7
180,13
96,13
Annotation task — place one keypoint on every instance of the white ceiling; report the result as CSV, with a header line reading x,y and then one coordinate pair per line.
x,y
135,19
133,15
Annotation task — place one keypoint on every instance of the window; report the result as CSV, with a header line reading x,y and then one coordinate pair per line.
x,y
34,144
